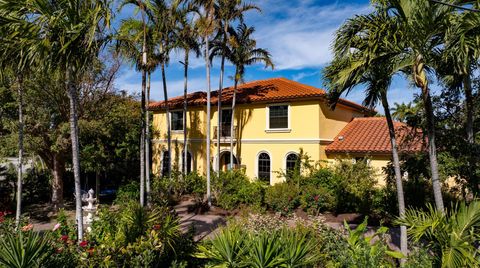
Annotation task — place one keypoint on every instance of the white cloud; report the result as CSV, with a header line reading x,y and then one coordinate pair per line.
x,y
299,76
300,34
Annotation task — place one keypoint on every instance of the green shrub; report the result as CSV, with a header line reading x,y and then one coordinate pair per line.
x,y
196,186
234,188
128,192
316,199
282,197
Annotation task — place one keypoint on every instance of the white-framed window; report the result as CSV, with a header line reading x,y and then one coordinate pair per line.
x,y
264,166
176,120
278,117
291,163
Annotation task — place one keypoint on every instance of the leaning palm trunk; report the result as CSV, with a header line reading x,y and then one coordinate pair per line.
x,y
167,112
20,151
147,142
398,174
185,91
72,95
432,150
207,64
232,127
142,141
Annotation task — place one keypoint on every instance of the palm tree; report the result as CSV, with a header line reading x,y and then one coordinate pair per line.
x,y
15,58
424,24
186,40
163,19
66,36
450,235
226,11
361,59
242,51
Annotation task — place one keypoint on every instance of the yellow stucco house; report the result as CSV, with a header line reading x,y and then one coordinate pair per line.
x,y
274,118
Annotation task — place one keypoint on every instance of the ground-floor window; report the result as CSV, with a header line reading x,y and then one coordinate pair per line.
x,y
189,162
264,167
165,163
291,163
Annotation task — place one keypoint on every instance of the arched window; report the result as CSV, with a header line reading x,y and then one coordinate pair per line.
x,y
165,163
189,162
264,167
291,163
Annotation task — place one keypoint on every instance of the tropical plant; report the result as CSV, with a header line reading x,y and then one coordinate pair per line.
x,y
423,25
65,36
451,236
362,57
23,249
242,51
226,12
226,249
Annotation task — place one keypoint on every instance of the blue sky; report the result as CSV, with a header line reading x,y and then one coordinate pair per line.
x,y
298,34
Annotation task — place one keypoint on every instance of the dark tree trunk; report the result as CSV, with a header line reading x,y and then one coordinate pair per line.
x,y
432,149
167,113
57,184
72,95
20,152
185,92
398,174
147,142
469,107
232,121
97,186
142,143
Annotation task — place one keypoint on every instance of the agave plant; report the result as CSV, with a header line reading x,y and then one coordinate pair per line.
x,y
451,236
23,249
226,249
265,251
298,249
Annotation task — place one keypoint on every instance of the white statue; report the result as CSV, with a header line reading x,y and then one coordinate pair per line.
x,y
90,208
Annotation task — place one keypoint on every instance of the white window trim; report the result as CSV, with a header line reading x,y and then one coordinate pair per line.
x,y
256,164
170,118
278,130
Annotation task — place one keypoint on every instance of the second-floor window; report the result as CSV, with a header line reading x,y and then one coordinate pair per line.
x,y
177,120
278,116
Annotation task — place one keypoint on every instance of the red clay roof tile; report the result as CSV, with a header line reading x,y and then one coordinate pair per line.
x,y
268,90
370,135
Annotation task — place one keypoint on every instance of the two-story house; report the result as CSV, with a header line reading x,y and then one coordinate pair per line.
x,y
274,118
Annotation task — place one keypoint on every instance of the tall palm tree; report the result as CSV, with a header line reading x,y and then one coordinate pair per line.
x,y
206,26
361,59
424,25
65,35
130,39
226,11
162,16
186,40
15,59
242,51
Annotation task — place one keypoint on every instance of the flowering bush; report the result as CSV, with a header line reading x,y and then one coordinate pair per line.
x,y
282,197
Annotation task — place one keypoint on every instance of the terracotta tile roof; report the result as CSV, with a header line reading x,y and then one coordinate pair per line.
x,y
268,90
370,135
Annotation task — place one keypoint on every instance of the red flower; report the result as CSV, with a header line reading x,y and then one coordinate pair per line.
x,y
156,227
316,198
83,243
90,251
59,250
2,213
64,238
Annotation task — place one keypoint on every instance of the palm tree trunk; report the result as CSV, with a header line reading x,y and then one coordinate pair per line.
x,y
72,95
185,91
20,151
219,111
57,184
207,67
232,127
142,141
432,150
167,112
147,141
398,175
469,107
